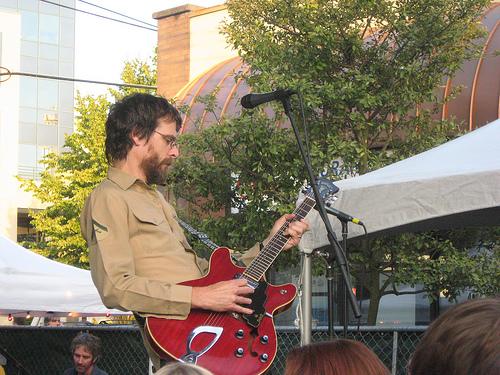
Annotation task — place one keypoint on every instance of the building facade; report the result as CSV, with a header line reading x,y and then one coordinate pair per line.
x,y
35,113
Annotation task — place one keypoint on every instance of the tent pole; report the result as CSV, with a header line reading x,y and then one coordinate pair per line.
x,y
306,300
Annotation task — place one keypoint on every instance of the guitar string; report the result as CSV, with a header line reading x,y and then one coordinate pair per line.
x,y
271,251
268,256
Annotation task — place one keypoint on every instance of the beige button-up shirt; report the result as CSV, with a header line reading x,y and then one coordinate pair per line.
x,y
138,251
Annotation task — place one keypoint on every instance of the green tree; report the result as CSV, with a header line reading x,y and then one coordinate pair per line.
x,y
368,73
67,180
70,176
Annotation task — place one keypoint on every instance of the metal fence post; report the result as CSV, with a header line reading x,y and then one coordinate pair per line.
x,y
394,352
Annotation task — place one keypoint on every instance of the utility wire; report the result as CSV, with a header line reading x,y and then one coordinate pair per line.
x,y
9,74
98,15
120,14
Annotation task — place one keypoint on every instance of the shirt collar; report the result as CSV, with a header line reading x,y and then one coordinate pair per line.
x,y
122,179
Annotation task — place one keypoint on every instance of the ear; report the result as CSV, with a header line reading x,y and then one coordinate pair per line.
x,y
136,141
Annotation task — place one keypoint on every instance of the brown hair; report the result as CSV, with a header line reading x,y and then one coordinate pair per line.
x,y
465,340
338,357
90,342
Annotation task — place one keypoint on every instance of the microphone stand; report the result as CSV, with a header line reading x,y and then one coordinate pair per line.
x,y
343,286
334,251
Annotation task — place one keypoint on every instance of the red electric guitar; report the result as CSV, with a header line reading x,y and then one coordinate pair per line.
x,y
230,343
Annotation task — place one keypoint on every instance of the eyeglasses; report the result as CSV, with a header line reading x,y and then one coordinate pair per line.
x,y
171,140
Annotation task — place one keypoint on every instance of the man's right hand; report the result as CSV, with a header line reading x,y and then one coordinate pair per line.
x,y
223,296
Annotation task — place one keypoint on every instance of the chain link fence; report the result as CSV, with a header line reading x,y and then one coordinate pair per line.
x,y
45,350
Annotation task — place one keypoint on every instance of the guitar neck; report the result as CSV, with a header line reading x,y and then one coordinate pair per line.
x,y
256,270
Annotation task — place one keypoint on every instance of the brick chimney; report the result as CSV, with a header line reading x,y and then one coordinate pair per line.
x,y
173,48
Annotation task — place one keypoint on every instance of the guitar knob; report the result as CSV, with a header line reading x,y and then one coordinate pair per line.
x,y
264,339
264,357
239,352
240,334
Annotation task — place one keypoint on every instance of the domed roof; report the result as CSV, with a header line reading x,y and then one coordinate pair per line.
x,y
479,101
476,105
225,83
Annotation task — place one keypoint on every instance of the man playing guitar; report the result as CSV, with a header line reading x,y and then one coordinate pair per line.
x,y
138,252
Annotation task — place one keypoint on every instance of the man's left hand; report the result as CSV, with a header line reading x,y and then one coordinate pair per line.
x,y
294,232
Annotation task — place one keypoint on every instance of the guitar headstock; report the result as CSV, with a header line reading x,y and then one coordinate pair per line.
x,y
327,190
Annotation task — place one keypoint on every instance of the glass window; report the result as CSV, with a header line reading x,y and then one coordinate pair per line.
x,y
65,12
27,155
67,54
70,3
48,94
46,117
49,51
48,8
8,3
28,91
46,135
28,4
29,48
66,69
49,29
29,64
27,133
66,99
49,67
27,114
67,32
66,119
29,26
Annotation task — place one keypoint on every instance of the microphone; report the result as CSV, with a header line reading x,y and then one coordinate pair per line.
x,y
250,101
343,216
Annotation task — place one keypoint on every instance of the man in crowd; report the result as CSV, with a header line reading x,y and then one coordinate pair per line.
x,y
86,350
138,251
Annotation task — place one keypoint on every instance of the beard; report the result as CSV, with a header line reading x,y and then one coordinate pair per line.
x,y
155,169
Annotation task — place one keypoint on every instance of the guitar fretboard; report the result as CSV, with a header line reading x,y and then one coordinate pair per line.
x,y
256,270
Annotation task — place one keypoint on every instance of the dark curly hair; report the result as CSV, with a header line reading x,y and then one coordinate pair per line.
x,y
138,114
89,341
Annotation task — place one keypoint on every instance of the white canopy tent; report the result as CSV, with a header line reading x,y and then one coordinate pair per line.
x,y
456,184
32,283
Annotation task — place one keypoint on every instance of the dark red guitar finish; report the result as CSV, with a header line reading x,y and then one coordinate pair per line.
x,y
228,343
238,348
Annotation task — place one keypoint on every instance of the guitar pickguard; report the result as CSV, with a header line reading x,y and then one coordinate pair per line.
x,y
259,298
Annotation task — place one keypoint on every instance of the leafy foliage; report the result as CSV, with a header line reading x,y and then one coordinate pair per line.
x,y
368,72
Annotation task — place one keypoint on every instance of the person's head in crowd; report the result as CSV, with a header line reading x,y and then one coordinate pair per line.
x,y
337,357
54,322
465,340
86,350
179,368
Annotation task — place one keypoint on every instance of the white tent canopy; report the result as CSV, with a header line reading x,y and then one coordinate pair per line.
x,y
32,283
454,185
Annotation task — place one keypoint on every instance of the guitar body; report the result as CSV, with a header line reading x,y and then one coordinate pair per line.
x,y
224,343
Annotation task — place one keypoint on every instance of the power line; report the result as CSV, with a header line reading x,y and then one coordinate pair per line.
x,y
10,74
120,14
98,15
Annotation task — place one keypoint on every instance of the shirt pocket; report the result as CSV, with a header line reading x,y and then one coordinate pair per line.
x,y
149,218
